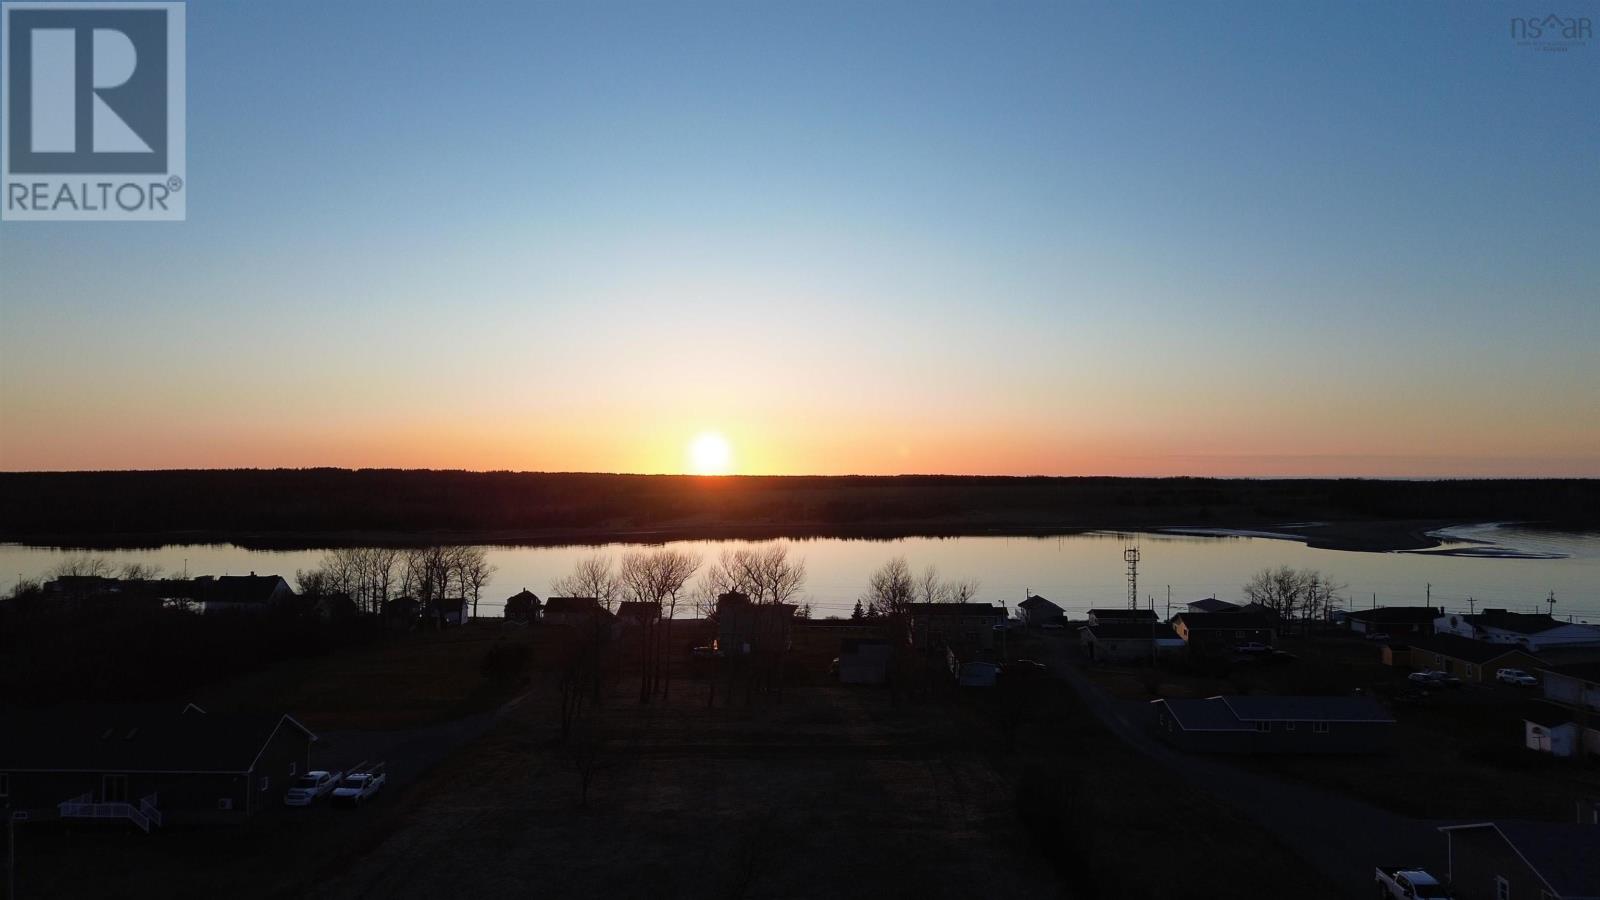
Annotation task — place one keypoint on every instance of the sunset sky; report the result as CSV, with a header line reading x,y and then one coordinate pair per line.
x,y
1185,238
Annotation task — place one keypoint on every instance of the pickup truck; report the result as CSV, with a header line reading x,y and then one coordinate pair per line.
x,y
1409,883
308,787
359,785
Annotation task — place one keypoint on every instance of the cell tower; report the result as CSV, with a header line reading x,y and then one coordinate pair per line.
x,y
1131,556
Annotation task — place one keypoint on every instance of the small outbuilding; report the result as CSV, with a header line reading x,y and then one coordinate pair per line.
x,y
864,660
1129,643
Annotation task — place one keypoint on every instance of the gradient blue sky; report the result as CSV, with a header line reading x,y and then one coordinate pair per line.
x,y
1213,238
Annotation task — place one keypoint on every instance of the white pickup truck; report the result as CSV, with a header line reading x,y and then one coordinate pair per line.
x,y
310,786
359,784
1409,883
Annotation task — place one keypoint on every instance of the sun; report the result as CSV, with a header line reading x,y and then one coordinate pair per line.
x,y
709,454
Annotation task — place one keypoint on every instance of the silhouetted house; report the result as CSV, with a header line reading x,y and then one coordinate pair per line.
x,y
1212,605
744,627
1534,632
1397,621
74,593
864,660
1136,643
446,610
1262,610
1511,860
843,628
400,613
637,614
1263,724
1107,616
148,765
253,594
1219,632
578,612
1468,659
522,606
969,625
1038,611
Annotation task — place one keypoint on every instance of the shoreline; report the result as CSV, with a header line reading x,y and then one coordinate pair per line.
x,y
1350,536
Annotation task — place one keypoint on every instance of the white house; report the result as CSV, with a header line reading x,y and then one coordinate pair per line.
x,y
1534,631
1566,723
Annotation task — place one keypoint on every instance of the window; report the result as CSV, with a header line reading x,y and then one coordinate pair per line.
x,y
1264,727
5,785
1502,888
224,803
1319,727
1288,726
266,783
292,770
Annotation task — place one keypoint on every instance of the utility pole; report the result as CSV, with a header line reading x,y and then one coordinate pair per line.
x,y
1430,593
1169,602
1472,606
1374,600
1552,602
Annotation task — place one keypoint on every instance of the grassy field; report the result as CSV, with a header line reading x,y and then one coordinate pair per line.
x,y
829,790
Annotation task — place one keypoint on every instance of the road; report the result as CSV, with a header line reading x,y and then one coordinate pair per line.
x,y
1343,838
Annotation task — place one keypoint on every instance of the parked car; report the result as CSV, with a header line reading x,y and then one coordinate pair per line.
x,y
1378,636
1052,626
359,785
1409,883
1516,677
1435,678
1251,647
308,787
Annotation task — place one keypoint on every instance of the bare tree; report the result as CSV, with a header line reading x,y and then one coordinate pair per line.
x,y
1295,594
473,571
590,577
140,571
963,590
83,567
656,578
891,590
928,587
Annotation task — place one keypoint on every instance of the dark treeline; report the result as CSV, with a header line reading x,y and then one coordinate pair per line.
x,y
325,506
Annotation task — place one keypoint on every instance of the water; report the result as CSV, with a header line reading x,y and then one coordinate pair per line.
x,y
1078,571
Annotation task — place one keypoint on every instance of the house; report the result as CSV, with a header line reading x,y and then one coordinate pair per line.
x,y
1036,611
254,594
1107,616
1264,724
576,612
843,628
1129,642
446,610
1534,631
1468,659
1398,621
400,613
745,627
523,606
1212,605
1220,632
149,765
1566,722
637,614
969,625
864,660
1510,860
334,608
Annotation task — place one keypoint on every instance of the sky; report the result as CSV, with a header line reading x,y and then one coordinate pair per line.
x,y
992,238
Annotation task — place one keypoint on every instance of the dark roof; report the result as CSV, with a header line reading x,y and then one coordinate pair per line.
x,y
1566,856
1123,613
1034,601
1254,708
1213,605
1589,671
571,605
836,622
1522,623
447,604
250,588
524,596
135,739
1120,631
1396,615
1223,621
638,609
1202,715
957,609
1466,649
850,646
1547,714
